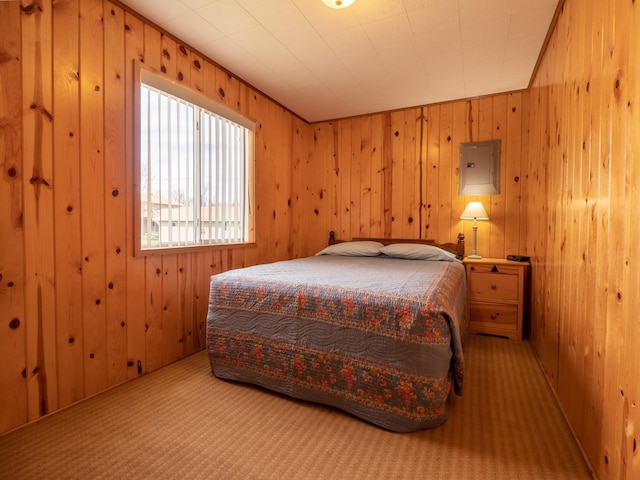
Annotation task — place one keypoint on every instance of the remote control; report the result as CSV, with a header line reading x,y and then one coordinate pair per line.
x,y
517,258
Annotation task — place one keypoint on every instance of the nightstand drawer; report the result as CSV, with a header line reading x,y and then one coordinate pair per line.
x,y
497,296
494,286
496,316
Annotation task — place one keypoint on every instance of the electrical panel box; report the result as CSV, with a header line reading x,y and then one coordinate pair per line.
x,y
479,168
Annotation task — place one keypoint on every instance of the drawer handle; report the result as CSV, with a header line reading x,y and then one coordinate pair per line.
x,y
494,269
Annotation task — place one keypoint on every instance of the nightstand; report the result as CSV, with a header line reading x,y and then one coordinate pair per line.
x,y
496,296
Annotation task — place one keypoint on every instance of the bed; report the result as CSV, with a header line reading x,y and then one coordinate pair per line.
x,y
373,327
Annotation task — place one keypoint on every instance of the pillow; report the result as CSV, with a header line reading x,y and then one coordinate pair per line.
x,y
364,248
417,251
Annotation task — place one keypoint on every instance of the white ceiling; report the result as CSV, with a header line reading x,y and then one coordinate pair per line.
x,y
374,56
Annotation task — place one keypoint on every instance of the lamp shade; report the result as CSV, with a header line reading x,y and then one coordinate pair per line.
x,y
474,211
338,3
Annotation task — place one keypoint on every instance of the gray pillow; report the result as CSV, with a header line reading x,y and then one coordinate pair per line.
x,y
361,248
417,251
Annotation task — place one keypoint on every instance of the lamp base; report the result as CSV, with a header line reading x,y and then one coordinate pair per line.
x,y
474,257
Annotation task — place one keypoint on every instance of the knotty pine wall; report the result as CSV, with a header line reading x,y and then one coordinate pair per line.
x,y
81,314
583,208
395,174
78,312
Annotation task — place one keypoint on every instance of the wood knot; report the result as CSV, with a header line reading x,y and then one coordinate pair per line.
x,y
38,181
12,172
29,9
221,92
42,110
183,50
196,64
14,324
180,76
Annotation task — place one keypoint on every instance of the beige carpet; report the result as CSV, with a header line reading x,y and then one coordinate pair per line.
x,y
182,423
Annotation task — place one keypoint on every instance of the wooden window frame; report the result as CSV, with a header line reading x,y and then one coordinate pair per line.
x,y
148,76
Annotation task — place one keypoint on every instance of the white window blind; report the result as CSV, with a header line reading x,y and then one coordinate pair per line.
x,y
193,173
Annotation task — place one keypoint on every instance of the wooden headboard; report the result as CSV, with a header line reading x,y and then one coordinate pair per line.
x,y
456,248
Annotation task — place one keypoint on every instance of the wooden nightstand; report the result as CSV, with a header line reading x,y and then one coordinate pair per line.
x,y
496,296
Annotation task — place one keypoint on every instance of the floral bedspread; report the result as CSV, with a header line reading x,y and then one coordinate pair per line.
x,y
380,338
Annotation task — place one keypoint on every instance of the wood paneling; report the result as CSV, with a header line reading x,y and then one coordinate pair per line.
x,y
136,280
38,184
92,197
13,390
395,174
582,203
78,312
68,234
114,187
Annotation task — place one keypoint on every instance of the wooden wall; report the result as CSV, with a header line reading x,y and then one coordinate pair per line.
x,y
78,312
583,209
395,174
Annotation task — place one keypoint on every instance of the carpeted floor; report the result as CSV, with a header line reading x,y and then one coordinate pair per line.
x,y
182,423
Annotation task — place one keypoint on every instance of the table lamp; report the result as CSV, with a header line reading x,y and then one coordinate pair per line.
x,y
474,211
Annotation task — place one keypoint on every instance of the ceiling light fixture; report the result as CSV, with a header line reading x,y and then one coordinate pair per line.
x,y
338,3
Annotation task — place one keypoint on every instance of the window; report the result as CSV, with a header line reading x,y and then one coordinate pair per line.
x,y
194,168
